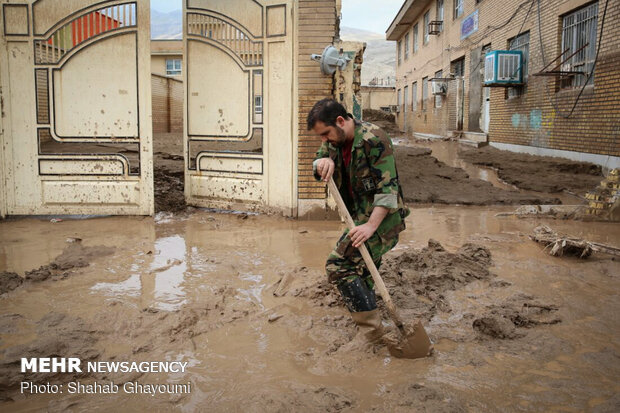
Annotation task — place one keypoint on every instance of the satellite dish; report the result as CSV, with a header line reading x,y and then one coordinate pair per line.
x,y
331,59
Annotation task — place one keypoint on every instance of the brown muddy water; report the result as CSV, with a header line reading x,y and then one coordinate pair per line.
x,y
199,287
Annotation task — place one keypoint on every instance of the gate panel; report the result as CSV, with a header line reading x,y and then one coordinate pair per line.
x,y
239,129
78,82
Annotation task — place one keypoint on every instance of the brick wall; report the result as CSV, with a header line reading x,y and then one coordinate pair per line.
x,y
317,28
533,119
167,104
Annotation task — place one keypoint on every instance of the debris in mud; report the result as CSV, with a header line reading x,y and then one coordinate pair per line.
x,y
559,244
74,256
547,211
9,281
169,187
519,311
496,327
427,180
537,173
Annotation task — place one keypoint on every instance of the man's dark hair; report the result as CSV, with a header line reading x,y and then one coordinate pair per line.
x,y
327,111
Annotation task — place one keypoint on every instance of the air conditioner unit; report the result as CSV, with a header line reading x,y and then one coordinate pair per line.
x,y
503,68
439,87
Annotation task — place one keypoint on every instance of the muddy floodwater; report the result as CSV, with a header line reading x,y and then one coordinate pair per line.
x,y
242,299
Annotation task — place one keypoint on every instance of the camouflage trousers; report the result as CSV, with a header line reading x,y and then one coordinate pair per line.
x,y
345,262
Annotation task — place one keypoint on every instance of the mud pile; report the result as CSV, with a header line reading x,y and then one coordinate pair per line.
x,y
537,173
426,284
385,121
74,256
426,180
419,280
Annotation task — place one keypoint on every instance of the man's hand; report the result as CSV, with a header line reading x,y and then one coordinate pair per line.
x,y
325,168
361,234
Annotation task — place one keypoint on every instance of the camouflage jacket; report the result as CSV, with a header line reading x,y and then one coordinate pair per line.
x,y
374,180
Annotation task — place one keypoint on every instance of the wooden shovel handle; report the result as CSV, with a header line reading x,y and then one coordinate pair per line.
x,y
344,213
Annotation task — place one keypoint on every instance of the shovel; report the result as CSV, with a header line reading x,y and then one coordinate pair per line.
x,y
414,342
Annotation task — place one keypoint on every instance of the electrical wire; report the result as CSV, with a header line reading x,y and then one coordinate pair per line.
x,y
598,48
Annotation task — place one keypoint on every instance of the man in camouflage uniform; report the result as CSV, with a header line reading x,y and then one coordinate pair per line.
x,y
359,157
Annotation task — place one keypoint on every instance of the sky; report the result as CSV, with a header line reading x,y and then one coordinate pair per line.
x,y
371,15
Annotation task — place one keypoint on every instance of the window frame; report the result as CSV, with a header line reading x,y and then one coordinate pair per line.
x,y
424,92
174,71
458,62
407,46
514,43
458,9
426,19
440,7
399,47
438,98
415,38
414,96
588,53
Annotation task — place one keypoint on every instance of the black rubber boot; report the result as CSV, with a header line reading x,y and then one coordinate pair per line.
x,y
357,296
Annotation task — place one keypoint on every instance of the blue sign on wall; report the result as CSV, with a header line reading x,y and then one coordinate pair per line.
x,y
469,25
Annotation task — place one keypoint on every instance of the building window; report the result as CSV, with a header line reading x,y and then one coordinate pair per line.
x,y
438,98
173,67
405,98
414,96
458,67
426,21
399,51
407,46
579,32
458,8
522,43
398,99
439,14
424,92
415,38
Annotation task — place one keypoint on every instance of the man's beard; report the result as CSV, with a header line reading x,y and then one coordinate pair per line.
x,y
341,137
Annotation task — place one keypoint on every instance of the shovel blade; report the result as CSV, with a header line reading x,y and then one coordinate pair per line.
x,y
412,345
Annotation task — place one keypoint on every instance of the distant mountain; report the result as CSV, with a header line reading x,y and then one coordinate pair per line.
x,y
379,58
380,55
166,25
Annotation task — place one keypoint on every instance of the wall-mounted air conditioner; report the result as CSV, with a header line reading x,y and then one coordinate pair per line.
x,y
439,87
503,68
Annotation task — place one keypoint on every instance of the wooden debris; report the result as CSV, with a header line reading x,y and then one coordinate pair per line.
x,y
559,244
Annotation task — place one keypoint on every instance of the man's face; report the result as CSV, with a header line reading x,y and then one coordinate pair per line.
x,y
332,134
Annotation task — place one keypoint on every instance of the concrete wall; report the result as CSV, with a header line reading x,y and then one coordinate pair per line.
x,y
167,106
534,118
376,97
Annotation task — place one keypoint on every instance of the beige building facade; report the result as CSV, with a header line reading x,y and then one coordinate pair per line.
x,y
167,58
379,98
567,104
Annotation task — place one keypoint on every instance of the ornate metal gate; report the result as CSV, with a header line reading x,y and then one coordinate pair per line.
x,y
76,92
239,112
